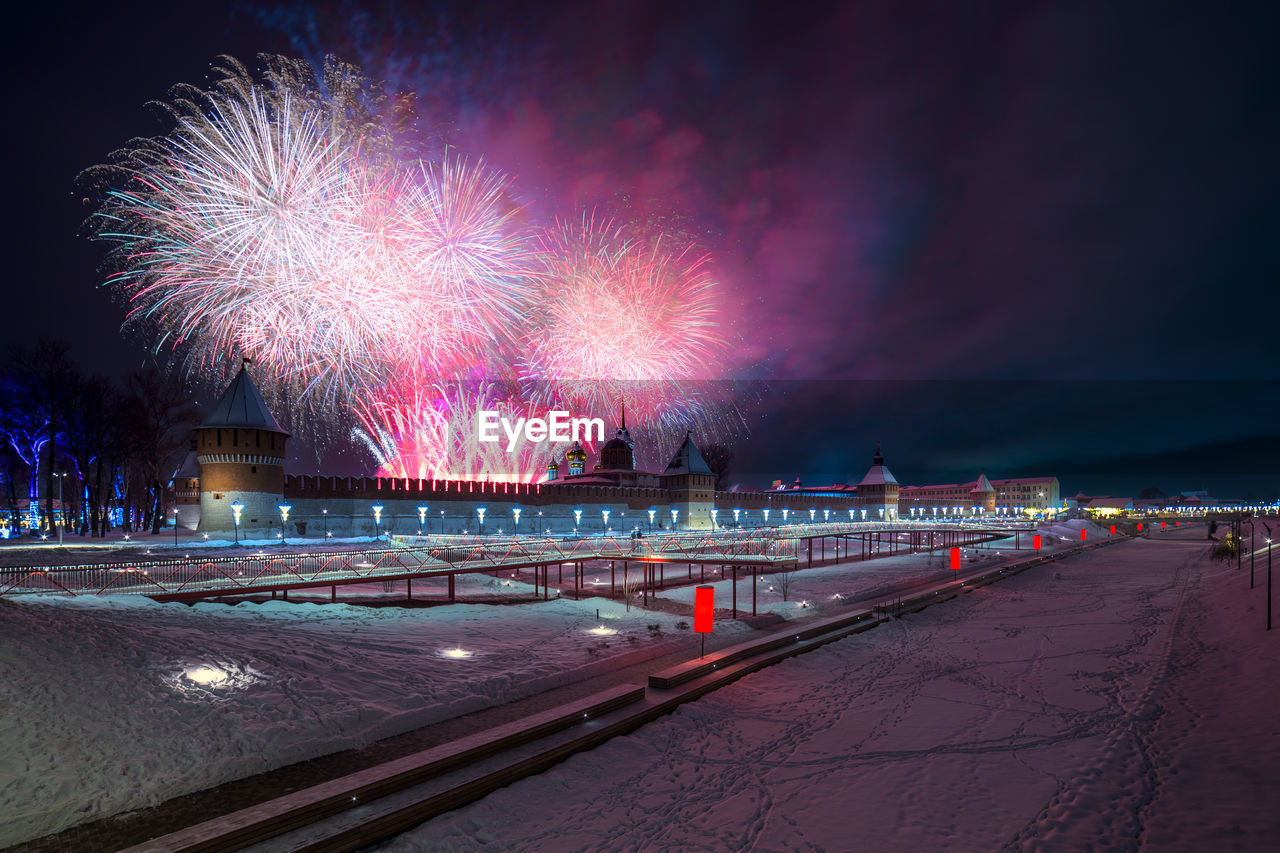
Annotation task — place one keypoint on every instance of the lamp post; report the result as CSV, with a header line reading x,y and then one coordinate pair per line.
x,y
325,514
377,521
577,520
604,520
675,518
441,522
284,516
236,509
785,512
652,513
480,511
864,514
851,512
62,511
1268,580
515,513
826,515
422,517
736,513
765,512
175,529
1251,553
714,514
812,513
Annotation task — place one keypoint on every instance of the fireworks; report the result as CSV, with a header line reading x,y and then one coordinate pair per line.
x,y
264,227
278,220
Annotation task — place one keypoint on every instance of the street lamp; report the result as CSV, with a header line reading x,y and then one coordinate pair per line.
x,y
577,520
441,522
377,521
652,513
882,513
284,516
325,514
175,528
62,510
864,514
604,520
515,513
236,509
675,518
765,512
812,513
785,512
714,514
422,517
826,515
851,512
480,511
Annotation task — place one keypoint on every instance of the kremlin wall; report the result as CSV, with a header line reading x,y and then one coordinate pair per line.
x,y
238,457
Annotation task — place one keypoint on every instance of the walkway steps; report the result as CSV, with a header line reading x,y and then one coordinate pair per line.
x,y
300,808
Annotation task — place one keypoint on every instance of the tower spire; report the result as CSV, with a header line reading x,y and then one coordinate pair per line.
x,y
624,412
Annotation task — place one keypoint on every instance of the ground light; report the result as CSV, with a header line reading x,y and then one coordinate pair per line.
x,y
206,676
456,653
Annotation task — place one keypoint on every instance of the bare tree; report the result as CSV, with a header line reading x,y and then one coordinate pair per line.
x,y
719,459
156,417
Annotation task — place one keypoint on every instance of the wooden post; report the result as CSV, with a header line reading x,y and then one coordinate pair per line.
x,y
409,589
452,597
735,591
755,582
333,593
613,592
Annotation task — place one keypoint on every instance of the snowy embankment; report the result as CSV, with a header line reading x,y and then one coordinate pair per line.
x,y
1122,699
112,704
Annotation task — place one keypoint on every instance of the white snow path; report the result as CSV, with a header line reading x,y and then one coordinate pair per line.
x,y
1077,706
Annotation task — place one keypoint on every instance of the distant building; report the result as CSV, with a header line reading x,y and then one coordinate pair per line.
x,y
1037,494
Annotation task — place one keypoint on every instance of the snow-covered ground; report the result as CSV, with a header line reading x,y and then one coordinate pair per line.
x,y
111,704
1123,699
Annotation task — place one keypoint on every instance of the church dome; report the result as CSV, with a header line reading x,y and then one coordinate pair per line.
x,y
618,453
576,453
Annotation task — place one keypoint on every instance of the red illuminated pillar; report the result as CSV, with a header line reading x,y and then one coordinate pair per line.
x,y
1082,535
1139,526
1035,542
955,559
703,603
1113,530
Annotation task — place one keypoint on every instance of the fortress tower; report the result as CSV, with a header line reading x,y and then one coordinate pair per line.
x,y
983,494
878,491
241,451
691,486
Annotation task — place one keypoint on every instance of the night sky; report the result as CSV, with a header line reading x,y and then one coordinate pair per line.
x,y
1028,237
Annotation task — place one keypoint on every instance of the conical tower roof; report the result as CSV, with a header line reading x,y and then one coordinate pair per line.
x,y
242,407
878,474
984,485
688,459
